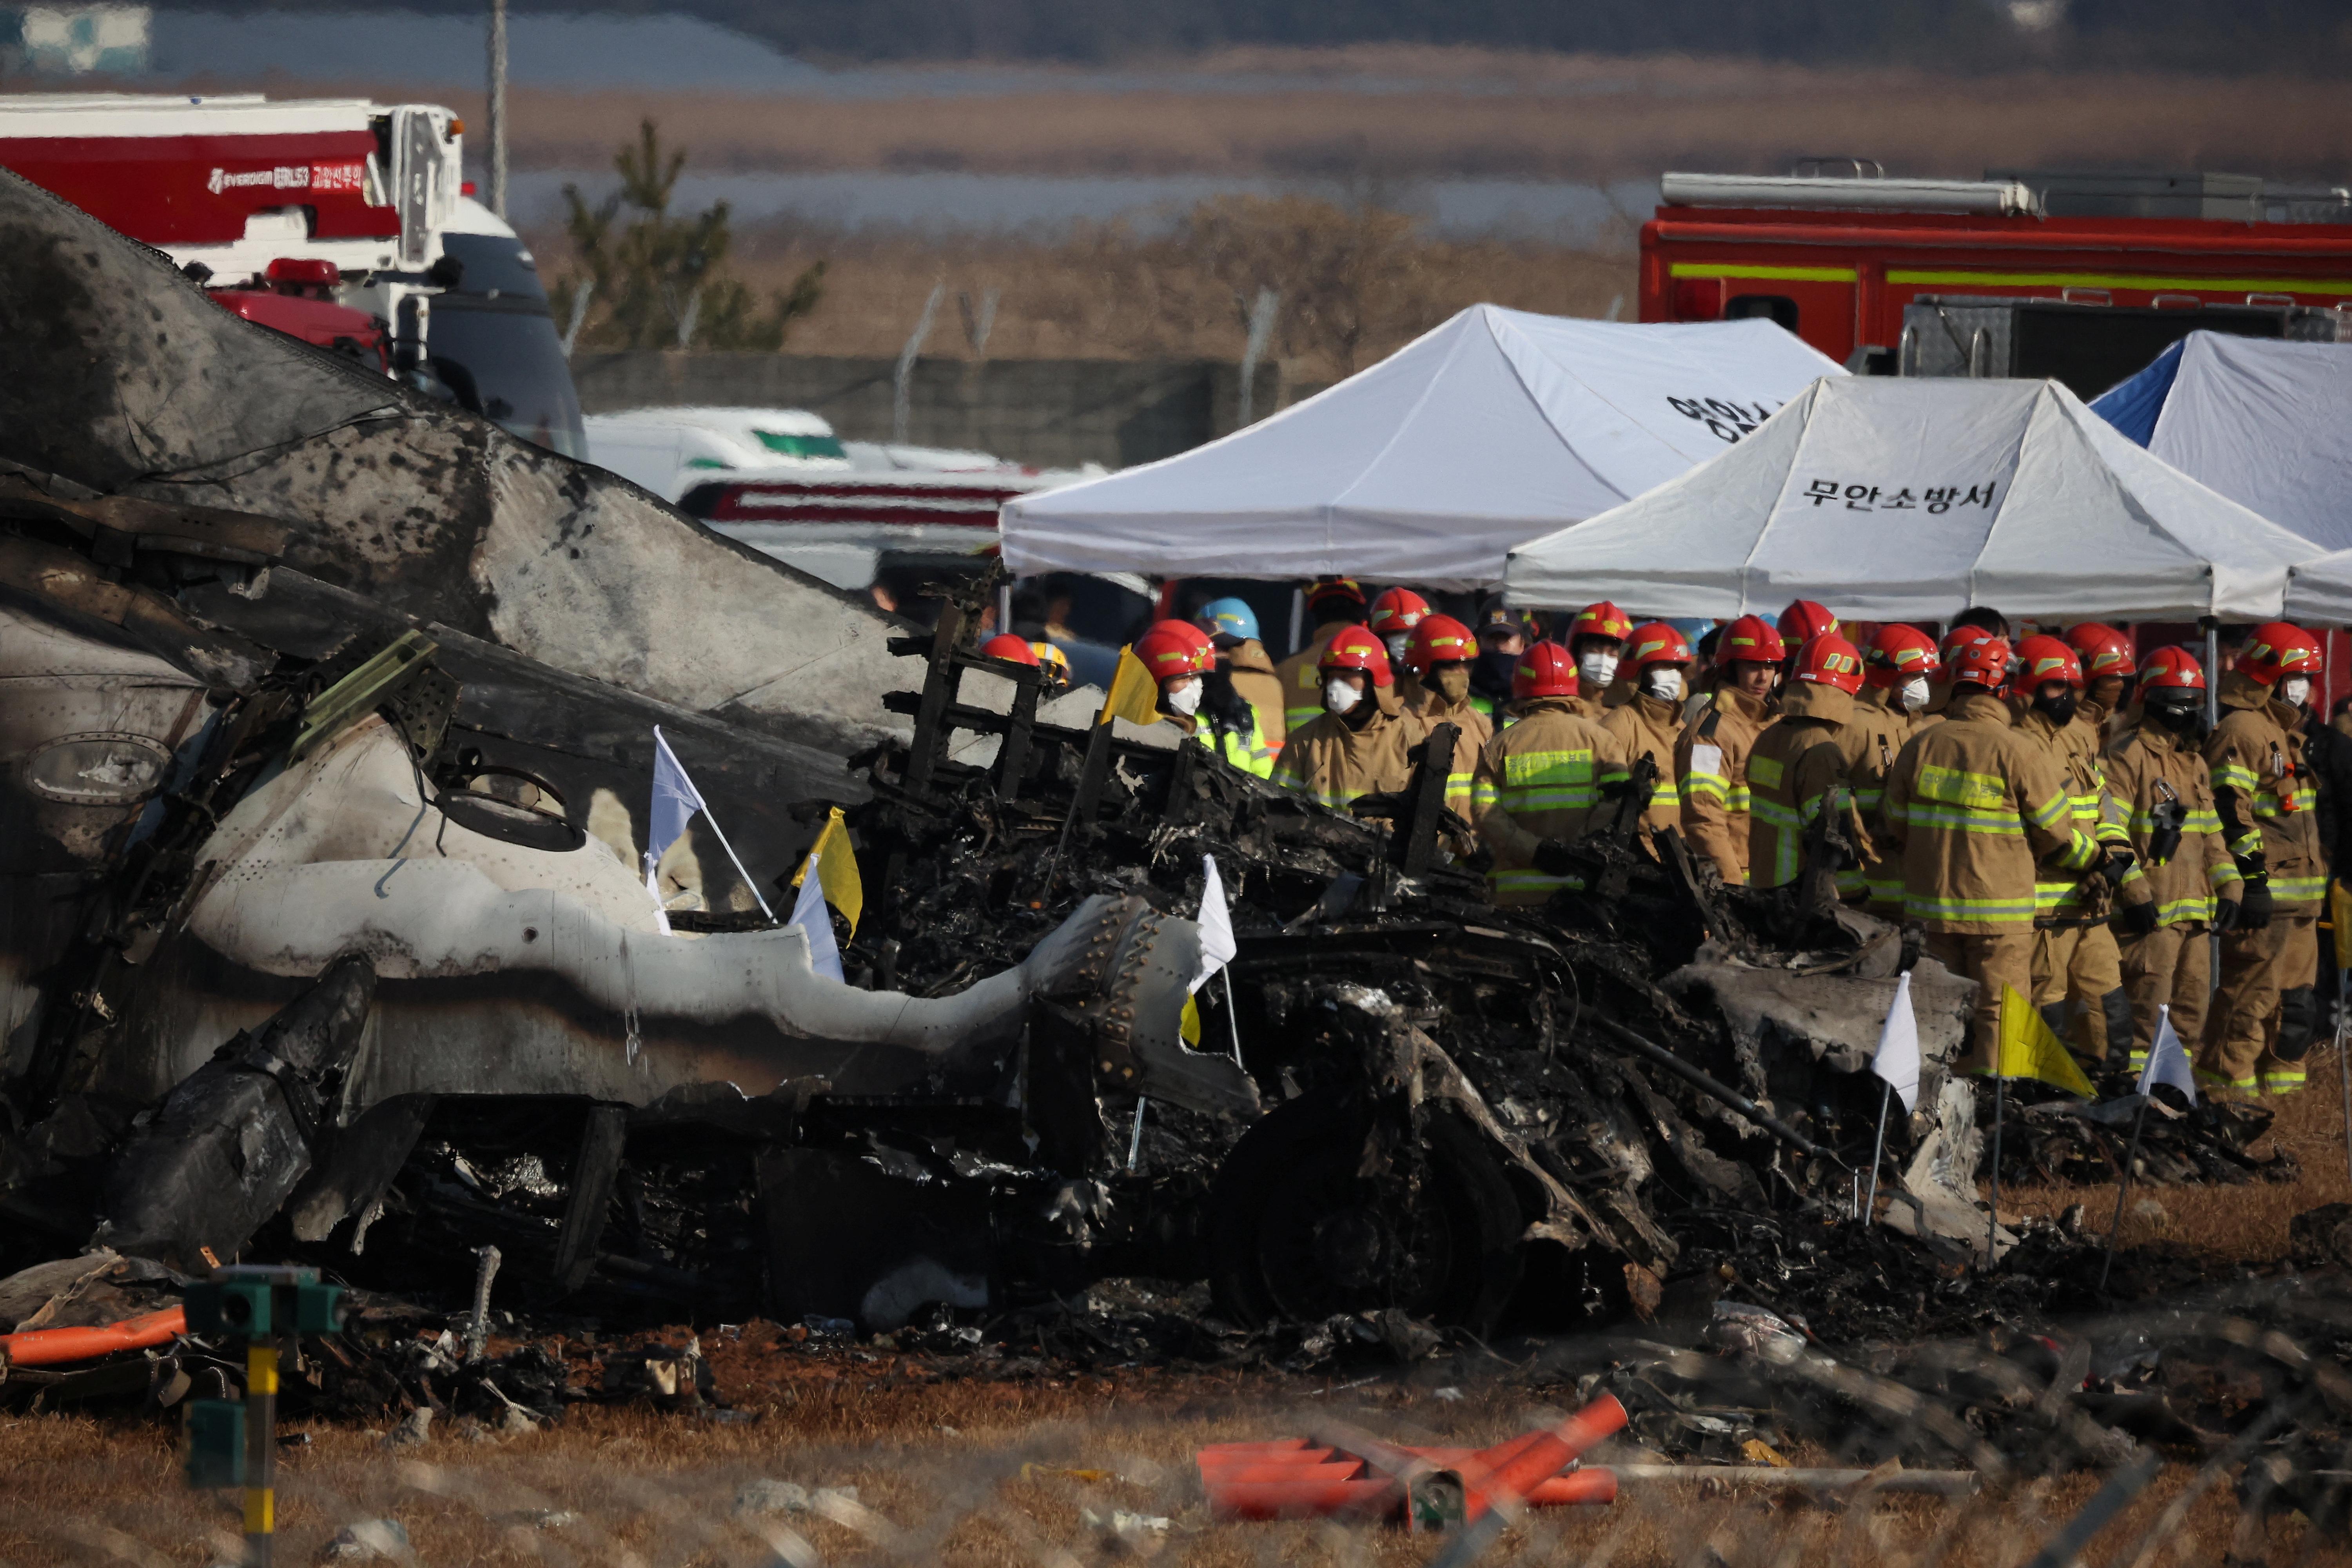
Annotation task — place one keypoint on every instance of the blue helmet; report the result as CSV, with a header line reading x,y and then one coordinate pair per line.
x,y
1227,618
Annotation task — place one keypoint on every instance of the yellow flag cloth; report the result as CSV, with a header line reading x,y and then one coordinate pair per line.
x,y
2028,1049
1134,695
2339,915
1188,1023
836,869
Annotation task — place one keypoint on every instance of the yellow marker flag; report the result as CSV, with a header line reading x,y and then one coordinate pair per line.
x,y
1134,695
836,871
2028,1049
2339,915
1188,1023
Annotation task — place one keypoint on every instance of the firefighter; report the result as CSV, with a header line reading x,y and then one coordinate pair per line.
x,y
1897,672
2077,968
1711,757
1358,745
1056,664
2107,655
2186,881
1441,650
1231,625
1596,640
1799,623
2266,1009
1014,650
1334,604
1649,722
1181,657
1798,786
1540,780
1394,613
1503,636
1974,806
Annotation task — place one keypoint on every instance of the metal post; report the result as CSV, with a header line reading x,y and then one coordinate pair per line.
x,y
1257,323
260,1450
2213,718
1877,1150
1135,1139
1992,1220
1297,620
2131,1160
1234,1024
498,115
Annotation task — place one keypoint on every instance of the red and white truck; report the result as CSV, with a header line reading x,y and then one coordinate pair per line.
x,y
344,222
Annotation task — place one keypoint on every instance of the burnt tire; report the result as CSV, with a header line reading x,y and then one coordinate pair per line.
x,y
1295,1233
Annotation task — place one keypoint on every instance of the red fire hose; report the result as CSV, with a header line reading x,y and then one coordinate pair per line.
x,y
48,1347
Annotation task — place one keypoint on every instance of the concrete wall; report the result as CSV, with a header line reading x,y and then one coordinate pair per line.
x,y
1048,412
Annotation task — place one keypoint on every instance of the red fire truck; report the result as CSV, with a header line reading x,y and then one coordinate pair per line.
x,y
341,222
2083,277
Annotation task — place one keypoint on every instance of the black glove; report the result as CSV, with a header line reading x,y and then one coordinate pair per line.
x,y
2251,865
2225,914
2256,912
2116,866
2139,919
1554,858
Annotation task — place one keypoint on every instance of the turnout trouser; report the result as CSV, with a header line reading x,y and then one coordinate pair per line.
x,y
2001,959
2265,1009
2171,966
2078,985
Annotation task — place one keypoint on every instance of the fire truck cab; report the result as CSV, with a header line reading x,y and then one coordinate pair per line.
x,y
2083,276
344,222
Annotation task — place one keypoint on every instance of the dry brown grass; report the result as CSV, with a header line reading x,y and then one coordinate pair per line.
x,y
1471,112
2242,1224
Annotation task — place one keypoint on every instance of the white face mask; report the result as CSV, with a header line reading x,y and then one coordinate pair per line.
x,y
1663,682
1913,694
1183,698
1597,667
2294,690
1396,641
1338,697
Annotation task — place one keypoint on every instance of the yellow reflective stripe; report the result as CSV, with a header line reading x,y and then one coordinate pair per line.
x,y
1739,800
1767,771
2298,890
2202,819
1956,786
1869,799
2180,911
1531,882
1548,767
1850,882
1744,269
2138,283
2227,871
1926,906
2234,775
2049,813
1698,787
2082,854
1482,792
1921,815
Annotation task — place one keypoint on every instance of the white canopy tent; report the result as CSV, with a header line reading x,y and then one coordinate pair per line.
x,y
1427,467
1910,498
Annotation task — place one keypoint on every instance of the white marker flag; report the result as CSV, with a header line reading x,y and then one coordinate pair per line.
x,y
1217,944
1897,1061
815,919
2167,1059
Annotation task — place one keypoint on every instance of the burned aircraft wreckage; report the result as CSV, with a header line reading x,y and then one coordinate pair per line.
x,y
327,718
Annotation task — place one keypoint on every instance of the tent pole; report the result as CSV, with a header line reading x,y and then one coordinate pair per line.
x,y
2212,720
1297,619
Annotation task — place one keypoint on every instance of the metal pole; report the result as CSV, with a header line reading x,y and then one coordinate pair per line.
x,y
1234,1026
1135,1139
902,396
498,107
1298,619
739,866
2131,1160
1870,1210
2343,1059
1992,1220
2213,718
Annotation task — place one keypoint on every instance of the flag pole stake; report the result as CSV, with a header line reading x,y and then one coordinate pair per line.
x,y
1234,1024
1878,1149
1135,1139
2131,1161
1992,1220
731,856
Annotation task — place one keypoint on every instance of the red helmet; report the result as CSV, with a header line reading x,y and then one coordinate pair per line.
x,y
1546,670
1356,649
2103,649
1173,648
1324,588
2044,660
1804,620
1750,640
1438,640
1655,643
2173,669
2276,648
1005,645
1897,653
1830,660
1397,610
1601,620
1982,662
